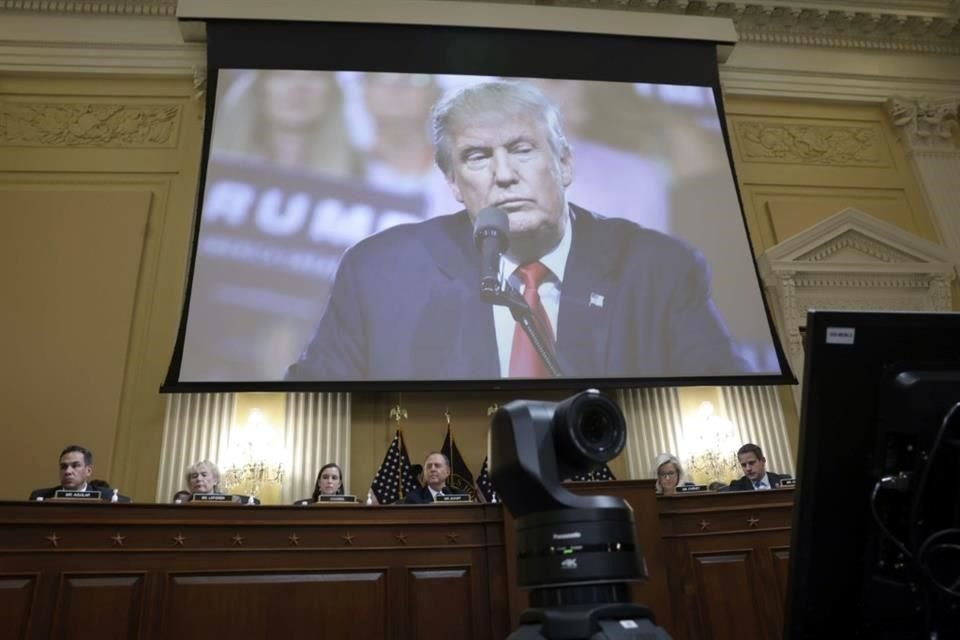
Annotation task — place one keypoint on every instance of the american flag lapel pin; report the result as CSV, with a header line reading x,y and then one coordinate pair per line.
x,y
596,300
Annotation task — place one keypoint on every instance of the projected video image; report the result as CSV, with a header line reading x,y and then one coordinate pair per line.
x,y
337,232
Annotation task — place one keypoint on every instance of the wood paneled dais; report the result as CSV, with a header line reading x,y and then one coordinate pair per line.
x,y
16,601
275,604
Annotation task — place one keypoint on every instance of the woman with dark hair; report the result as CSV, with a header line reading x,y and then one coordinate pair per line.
x,y
329,483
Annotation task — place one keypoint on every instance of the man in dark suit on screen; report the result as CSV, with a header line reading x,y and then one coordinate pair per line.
x,y
611,298
756,477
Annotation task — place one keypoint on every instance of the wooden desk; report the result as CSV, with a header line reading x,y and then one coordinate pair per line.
x,y
726,556
182,572
717,565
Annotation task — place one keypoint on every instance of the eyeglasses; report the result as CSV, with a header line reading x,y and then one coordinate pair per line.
x,y
667,474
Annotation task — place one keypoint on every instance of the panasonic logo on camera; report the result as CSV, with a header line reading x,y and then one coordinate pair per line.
x,y
566,536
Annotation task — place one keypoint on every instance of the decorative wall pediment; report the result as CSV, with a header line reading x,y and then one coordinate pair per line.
x,y
857,241
852,261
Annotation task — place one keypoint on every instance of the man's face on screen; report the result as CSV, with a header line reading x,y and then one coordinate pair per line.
x,y
753,467
505,160
74,471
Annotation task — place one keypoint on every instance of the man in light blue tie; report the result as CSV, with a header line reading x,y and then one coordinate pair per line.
x,y
754,465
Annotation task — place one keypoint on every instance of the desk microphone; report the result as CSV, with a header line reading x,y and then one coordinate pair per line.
x,y
490,233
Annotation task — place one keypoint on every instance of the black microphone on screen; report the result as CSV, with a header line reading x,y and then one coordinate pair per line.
x,y
490,233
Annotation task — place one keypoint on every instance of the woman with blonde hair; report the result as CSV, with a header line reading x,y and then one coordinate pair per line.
x,y
669,473
203,477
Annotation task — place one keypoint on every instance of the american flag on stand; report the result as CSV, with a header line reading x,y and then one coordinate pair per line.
x,y
603,473
394,479
485,484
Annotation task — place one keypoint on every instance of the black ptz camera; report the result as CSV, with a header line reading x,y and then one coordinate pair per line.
x,y
575,553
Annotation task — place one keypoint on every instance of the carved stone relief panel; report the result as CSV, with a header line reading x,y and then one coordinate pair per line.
x,y
792,143
76,124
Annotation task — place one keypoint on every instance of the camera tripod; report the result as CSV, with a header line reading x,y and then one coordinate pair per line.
x,y
612,617
586,622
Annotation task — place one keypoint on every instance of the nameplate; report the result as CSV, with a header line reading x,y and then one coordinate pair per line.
x,y
691,488
460,497
212,497
789,482
336,499
67,494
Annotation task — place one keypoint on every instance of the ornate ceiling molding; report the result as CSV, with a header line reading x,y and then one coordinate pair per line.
x,y
109,7
917,26
931,26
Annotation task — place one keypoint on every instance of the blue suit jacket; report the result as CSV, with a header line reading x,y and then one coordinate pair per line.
x,y
405,305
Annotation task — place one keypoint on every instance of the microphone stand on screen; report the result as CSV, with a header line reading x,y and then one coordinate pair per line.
x,y
491,235
509,297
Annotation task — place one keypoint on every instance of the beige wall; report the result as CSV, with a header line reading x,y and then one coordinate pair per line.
x,y
799,162
97,185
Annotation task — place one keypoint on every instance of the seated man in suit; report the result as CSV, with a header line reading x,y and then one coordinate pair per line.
x,y
608,297
436,470
756,477
76,469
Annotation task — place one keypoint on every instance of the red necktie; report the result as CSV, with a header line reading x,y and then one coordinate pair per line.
x,y
525,362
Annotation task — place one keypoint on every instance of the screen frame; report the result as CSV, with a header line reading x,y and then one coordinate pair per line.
x,y
467,51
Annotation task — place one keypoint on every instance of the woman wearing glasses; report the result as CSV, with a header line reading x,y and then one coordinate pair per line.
x,y
669,473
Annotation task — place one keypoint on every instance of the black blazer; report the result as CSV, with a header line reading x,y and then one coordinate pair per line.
x,y
745,484
423,495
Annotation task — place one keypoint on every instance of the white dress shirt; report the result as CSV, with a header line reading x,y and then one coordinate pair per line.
x,y
549,290
764,483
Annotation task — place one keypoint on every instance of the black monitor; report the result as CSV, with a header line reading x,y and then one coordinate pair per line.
x,y
875,547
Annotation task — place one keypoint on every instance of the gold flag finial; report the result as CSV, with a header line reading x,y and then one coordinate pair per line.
x,y
447,415
398,413
492,409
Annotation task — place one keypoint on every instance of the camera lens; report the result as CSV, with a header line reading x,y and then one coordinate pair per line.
x,y
589,430
596,429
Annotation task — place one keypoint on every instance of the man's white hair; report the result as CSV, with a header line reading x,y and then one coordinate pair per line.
x,y
492,97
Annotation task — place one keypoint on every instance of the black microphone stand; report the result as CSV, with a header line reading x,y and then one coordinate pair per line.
x,y
508,296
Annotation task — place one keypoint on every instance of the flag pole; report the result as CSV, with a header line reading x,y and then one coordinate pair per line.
x,y
449,453
398,413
